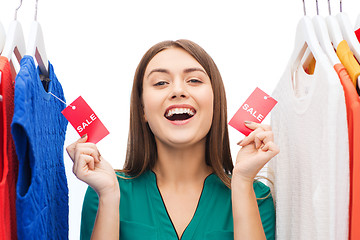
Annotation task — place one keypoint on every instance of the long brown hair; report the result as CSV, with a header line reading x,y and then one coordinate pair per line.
x,y
141,151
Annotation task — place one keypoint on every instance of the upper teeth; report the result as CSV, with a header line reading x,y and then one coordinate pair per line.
x,y
179,111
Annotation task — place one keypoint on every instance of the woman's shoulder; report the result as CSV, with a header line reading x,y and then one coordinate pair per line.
x,y
134,184
123,177
262,191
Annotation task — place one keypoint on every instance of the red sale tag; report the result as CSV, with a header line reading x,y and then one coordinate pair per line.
x,y
84,120
254,109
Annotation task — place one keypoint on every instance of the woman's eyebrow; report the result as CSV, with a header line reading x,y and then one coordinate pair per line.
x,y
189,70
161,70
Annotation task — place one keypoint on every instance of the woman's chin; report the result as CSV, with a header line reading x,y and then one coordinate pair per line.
x,y
183,140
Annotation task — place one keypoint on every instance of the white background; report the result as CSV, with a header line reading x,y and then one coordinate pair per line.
x,y
95,47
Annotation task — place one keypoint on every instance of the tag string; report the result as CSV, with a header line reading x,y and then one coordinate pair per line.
x,y
73,107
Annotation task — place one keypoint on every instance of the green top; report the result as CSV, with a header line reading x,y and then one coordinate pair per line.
x,y
143,214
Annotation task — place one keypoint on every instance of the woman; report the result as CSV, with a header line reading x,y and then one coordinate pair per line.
x,y
178,172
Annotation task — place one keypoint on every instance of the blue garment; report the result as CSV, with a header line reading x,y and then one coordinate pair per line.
x,y
38,129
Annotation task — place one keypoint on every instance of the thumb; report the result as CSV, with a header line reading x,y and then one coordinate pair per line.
x,y
83,139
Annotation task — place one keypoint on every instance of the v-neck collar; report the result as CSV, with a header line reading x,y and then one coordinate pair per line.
x,y
163,218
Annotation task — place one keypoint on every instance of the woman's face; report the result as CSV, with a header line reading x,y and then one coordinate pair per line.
x,y
177,98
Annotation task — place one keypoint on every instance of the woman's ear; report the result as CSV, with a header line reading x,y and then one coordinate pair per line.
x,y
145,118
144,115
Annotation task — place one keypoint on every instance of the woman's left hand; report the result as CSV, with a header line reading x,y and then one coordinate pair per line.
x,y
257,149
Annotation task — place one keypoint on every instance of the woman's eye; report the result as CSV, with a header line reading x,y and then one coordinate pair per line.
x,y
161,83
194,80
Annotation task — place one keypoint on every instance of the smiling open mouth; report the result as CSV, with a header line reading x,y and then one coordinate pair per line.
x,y
179,114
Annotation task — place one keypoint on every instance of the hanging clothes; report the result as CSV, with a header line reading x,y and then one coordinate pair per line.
x,y
353,118
38,129
4,211
9,162
357,33
311,172
349,61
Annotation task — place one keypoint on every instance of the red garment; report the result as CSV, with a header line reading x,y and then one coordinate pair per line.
x,y
9,165
353,118
357,33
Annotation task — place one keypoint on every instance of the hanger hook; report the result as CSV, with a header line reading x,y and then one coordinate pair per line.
x,y
304,8
17,9
340,5
36,9
317,7
329,7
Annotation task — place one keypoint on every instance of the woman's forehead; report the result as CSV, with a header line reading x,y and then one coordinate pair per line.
x,y
172,59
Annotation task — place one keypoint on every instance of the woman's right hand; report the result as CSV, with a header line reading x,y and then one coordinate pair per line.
x,y
91,168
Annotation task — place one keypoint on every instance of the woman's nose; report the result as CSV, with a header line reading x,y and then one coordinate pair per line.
x,y
178,90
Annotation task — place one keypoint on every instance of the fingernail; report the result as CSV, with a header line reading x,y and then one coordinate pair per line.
x,y
84,135
239,142
247,122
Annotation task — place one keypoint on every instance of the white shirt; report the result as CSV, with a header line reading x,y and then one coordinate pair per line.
x,y
311,172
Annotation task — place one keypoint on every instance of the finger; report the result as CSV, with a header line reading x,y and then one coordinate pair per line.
x,y
76,161
95,153
266,127
251,125
87,160
254,125
93,145
264,137
85,163
85,166
271,148
82,164
90,150
251,137
99,156
257,141
83,138
71,148
78,151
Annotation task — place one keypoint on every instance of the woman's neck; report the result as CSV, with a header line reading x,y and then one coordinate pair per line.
x,y
181,165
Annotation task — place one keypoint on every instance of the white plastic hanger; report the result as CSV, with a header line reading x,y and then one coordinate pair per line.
x,y
306,38
357,24
36,45
323,37
306,42
15,43
2,37
333,29
348,32
349,35
2,43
